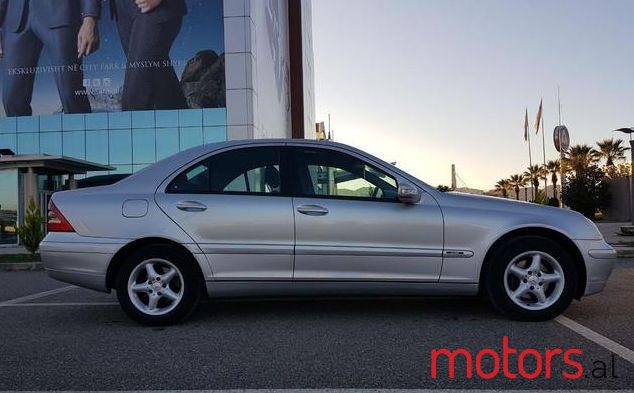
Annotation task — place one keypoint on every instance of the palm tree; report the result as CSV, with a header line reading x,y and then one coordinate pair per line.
x,y
553,168
611,150
533,174
502,187
516,181
580,157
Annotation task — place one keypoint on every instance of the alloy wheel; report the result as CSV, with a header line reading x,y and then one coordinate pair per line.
x,y
155,286
534,280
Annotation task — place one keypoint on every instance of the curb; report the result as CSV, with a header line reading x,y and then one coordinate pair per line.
x,y
21,266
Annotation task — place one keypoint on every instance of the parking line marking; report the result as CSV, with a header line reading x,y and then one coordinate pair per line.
x,y
595,337
61,304
36,296
334,390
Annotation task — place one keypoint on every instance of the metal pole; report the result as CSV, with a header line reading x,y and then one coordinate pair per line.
x,y
562,174
544,153
530,157
559,103
631,179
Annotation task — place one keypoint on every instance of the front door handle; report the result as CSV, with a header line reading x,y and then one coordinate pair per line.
x,y
312,210
191,206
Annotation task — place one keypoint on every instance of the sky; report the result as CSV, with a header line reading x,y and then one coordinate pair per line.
x,y
428,83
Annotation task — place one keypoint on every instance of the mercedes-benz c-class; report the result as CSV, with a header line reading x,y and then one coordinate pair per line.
x,y
297,217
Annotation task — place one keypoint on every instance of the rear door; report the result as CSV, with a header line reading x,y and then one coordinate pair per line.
x,y
350,225
233,205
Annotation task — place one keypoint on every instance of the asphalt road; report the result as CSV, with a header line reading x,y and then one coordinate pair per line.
x,y
77,339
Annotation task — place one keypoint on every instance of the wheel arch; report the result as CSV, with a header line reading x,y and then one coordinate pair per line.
x,y
548,233
121,255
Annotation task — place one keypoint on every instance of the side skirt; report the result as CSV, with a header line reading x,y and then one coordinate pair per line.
x,y
225,289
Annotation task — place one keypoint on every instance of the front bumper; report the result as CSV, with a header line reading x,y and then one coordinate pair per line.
x,y
78,260
599,259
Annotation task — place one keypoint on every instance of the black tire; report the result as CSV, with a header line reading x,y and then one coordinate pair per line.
x,y
192,288
494,277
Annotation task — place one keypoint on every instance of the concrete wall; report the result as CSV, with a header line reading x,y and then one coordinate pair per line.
x,y
619,208
309,70
257,69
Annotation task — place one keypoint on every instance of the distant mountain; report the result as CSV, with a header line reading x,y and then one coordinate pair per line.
x,y
468,190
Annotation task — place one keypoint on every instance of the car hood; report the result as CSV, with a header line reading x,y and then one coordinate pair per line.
x,y
520,214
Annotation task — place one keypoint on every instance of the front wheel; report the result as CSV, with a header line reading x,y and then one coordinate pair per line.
x,y
158,285
531,278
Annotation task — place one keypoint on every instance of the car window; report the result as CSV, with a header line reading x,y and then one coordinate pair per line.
x,y
244,171
194,180
329,173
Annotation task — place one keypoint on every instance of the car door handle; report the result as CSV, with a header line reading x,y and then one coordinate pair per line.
x,y
312,210
191,206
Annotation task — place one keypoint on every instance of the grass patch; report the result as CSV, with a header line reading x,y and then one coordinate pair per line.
x,y
19,258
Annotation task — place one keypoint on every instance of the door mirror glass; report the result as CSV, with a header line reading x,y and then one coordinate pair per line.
x,y
408,193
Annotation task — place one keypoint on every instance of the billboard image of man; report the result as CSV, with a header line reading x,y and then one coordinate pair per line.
x,y
66,30
147,29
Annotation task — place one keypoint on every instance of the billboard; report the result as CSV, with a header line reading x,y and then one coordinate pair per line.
x,y
86,56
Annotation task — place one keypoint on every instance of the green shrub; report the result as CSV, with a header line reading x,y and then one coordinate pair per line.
x,y
540,197
586,191
31,233
443,188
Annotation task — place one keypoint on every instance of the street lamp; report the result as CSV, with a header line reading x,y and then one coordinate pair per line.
x,y
629,131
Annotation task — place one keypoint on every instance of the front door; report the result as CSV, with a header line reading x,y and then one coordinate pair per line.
x,y
351,226
232,205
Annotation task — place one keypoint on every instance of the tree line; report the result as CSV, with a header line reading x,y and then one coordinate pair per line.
x,y
587,170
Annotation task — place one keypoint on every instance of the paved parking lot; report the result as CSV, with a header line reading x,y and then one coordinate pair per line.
x,y
66,338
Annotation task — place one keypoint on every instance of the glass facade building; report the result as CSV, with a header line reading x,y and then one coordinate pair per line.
x,y
127,141
243,68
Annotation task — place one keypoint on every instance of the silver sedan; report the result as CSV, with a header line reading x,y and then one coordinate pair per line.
x,y
297,217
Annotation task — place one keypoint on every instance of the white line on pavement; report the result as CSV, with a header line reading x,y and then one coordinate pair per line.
x,y
603,341
61,304
36,296
335,391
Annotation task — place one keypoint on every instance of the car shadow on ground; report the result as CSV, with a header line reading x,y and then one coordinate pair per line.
x,y
441,308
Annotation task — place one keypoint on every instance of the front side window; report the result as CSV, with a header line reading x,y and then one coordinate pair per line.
x,y
326,173
245,171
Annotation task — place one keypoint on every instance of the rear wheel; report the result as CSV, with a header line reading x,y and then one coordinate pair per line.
x,y
531,278
158,285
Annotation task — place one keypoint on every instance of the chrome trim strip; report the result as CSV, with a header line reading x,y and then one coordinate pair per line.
x,y
603,254
457,254
228,248
367,251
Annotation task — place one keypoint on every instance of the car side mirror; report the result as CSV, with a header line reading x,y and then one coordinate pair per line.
x,y
408,193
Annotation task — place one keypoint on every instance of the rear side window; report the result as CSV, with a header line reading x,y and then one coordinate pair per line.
x,y
253,170
194,180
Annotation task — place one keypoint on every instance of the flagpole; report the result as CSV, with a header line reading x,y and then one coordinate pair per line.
x,y
544,154
530,157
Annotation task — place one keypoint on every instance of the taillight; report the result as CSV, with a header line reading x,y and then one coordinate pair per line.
x,y
56,220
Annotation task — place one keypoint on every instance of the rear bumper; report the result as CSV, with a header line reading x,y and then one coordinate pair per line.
x,y
599,259
78,260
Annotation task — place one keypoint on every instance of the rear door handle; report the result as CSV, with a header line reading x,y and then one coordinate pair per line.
x,y
191,206
312,210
